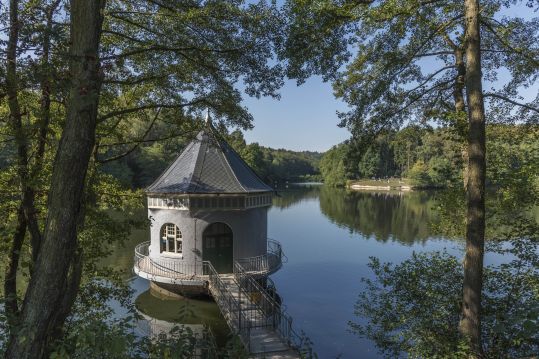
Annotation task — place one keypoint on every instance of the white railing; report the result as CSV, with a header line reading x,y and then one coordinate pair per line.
x,y
229,305
164,267
265,264
266,309
262,265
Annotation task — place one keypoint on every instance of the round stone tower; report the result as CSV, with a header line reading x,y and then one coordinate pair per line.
x,y
207,207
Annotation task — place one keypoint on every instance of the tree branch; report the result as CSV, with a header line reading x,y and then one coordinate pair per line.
x,y
430,77
146,107
146,141
119,34
506,99
156,48
438,53
137,144
507,44
135,80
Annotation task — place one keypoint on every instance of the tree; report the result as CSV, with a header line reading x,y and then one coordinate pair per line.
x,y
387,83
470,323
405,146
54,283
332,166
414,307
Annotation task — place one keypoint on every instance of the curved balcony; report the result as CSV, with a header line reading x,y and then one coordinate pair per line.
x,y
265,264
166,270
176,271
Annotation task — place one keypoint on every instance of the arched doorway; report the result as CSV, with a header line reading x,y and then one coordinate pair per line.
x,y
217,247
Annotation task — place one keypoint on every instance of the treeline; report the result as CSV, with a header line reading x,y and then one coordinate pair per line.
x,y
277,165
142,166
426,157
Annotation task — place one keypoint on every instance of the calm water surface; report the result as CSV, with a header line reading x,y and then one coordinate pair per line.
x,y
328,236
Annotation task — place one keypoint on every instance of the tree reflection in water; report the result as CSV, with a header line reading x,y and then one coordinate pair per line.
x,y
404,217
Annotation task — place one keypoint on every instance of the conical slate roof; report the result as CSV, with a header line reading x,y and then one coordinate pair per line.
x,y
208,165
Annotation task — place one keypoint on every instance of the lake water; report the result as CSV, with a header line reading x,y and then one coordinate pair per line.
x,y
328,236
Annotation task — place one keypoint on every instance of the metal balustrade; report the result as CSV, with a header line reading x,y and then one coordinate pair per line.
x,y
164,267
259,266
245,303
228,303
264,264
266,302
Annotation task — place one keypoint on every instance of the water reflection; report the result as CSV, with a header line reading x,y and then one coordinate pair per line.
x,y
293,194
162,313
403,217
406,217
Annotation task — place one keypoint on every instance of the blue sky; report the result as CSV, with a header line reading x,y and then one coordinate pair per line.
x,y
304,118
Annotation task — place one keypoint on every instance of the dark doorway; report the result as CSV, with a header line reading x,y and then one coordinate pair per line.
x,y
217,247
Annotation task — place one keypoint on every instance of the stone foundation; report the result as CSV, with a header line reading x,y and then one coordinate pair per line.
x,y
178,290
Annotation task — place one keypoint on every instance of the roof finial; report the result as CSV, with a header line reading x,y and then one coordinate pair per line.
x,y
208,116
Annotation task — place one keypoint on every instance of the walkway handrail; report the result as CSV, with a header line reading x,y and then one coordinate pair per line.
x,y
266,309
267,304
229,306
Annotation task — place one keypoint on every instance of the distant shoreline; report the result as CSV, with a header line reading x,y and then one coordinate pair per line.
x,y
360,187
392,184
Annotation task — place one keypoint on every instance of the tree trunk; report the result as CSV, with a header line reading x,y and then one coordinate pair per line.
x,y
458,91
12,267
43,304
470,325
45,108
460,108
45,84
15,122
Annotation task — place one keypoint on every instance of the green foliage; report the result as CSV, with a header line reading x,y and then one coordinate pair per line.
x,y
184,56
275,165
434,158
162,64
396,62
332,166
414,307
418,174
142,166
384,216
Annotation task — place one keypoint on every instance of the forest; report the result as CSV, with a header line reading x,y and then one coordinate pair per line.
x,y
140,167
97,96
428,157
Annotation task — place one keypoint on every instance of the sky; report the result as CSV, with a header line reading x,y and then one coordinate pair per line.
x,y
305,118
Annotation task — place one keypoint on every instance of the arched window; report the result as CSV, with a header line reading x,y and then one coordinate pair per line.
x,y
171,238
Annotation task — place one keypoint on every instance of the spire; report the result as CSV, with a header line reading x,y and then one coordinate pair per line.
x,y
208,120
